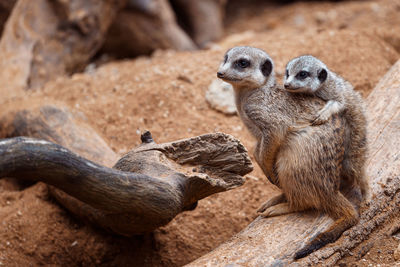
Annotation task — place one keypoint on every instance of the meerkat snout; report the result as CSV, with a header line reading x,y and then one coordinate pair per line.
x,y
220,75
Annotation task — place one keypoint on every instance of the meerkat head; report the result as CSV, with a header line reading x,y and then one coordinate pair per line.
x,y
247,67
305,74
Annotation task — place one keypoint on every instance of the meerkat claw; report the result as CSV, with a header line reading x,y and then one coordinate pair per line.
x,y
263,207
276,210
271,202
318,121
295,128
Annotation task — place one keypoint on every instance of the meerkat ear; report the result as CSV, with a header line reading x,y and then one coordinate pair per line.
x,y
322,75
266,68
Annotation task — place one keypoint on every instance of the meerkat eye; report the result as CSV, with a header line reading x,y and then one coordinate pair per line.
x,y
287,73
225,59
302,75
243,63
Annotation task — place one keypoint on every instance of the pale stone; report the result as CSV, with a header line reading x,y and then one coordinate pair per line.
x,y
220,96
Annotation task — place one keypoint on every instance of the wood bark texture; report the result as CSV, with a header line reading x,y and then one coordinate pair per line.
x,y
144,26
5,9
273,241
57,124
43,39
204,20
145,189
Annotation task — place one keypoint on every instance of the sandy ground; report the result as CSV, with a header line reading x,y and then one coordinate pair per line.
x,y
165,93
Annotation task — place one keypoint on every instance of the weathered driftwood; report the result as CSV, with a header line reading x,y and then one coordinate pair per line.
x,y
43,39
146,189
5,10
273,241
204,19
55,123
144,26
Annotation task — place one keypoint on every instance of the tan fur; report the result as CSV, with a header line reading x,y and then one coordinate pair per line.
x,y
306,161
341,99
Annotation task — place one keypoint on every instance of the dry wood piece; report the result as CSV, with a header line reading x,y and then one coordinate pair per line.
x,y
144,26
5,10
273,241
44,39
147,187
204,19
55,123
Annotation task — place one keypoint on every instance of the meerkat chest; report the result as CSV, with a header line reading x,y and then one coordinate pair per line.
x,y
250,123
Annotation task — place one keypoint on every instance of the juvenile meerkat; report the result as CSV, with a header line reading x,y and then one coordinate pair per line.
x,y
309,75
305,162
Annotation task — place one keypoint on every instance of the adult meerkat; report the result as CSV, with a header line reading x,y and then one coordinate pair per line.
x,y
309,75
304,161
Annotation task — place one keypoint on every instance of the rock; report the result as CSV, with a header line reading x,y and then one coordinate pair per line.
x,y
220,96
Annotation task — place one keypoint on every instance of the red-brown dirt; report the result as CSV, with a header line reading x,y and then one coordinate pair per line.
x,y
165,93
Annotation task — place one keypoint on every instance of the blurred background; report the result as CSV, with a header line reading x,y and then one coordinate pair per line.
x,y
62,37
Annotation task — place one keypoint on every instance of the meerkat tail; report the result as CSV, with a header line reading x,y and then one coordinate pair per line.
x,y
346,215
330,236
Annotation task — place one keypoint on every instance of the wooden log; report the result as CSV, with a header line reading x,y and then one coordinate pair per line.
x,y
274,241
43,39
5,9
147,187
57,124
204,20
144,26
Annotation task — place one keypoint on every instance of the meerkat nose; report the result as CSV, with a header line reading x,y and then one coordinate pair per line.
x,y
220,74
286,85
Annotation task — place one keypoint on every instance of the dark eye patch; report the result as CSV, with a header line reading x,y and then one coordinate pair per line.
x,y
242,63
302,75
287,73
322,75
266,68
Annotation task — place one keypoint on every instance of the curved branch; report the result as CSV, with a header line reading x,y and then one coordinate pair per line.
x,y
145,190
147,187
104,188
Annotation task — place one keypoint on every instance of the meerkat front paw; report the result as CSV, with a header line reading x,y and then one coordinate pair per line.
x,y
276,210
298,127
322,117
271,202
265,206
